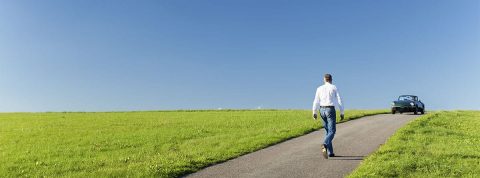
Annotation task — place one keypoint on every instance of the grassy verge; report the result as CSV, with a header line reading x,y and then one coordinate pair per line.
x,y
440,144
160,144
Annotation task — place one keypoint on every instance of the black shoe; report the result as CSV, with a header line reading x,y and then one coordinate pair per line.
x,y
331,155
324,151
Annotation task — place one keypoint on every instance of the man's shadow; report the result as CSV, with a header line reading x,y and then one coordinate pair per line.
x,y
340,157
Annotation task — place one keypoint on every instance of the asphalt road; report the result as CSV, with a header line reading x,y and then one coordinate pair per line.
x,y
302,157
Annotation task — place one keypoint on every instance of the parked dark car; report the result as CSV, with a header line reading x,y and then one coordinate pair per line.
x,y
408,103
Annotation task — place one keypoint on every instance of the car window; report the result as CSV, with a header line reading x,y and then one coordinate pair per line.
x,y
406,98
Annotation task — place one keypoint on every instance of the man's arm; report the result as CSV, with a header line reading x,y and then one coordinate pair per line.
x,y
316,103
340,104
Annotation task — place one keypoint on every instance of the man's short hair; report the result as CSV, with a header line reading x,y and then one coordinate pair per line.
x,y
328,77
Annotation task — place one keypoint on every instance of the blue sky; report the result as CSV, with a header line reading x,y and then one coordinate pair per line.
x,y
158,55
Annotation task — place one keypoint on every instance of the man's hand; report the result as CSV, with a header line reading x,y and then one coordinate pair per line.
x,y
342,117
314,116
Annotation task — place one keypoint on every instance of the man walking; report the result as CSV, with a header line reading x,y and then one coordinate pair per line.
x,y
326,98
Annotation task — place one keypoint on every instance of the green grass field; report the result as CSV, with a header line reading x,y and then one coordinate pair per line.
x,y
161,143
440,144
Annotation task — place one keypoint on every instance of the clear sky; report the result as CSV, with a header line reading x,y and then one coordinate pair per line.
x,y
92,55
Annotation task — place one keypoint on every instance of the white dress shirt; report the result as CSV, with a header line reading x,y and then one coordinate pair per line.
x,y
327,95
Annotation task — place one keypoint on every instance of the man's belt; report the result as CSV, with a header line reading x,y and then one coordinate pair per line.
x,y
327,106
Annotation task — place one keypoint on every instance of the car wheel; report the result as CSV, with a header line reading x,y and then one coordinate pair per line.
x,y
423,111
415,111
393,111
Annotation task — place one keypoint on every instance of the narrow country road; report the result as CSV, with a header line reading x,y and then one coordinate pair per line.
x,y
302,157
